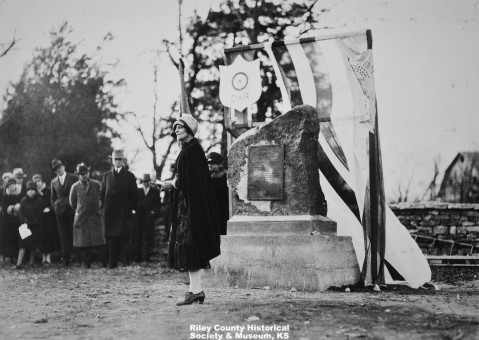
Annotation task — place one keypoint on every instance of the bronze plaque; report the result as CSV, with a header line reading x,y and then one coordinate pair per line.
x,y
266,173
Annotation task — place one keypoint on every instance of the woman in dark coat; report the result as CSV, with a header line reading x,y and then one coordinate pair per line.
x,y
10,221
50,240
31,214
194,237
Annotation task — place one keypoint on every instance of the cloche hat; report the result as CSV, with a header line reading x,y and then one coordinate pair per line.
x,y
189,122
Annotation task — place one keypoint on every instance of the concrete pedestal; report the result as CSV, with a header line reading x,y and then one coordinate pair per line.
x,y
284,252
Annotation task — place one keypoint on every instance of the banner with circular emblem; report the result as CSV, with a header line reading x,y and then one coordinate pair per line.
x,y
240,83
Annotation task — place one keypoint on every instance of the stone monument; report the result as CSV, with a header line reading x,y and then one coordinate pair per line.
x,y
276,235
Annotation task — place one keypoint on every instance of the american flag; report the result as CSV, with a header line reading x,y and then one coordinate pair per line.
x,y
335,75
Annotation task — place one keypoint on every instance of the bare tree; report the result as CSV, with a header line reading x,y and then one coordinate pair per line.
x,y
403,190
431,192
404,183
161,129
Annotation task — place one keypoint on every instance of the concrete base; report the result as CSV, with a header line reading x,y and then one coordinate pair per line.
x,y
273,225
306,256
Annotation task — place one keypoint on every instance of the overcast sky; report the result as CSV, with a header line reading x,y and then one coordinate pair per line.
x,y
425,54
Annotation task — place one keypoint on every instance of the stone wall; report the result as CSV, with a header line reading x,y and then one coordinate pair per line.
x,y
442,221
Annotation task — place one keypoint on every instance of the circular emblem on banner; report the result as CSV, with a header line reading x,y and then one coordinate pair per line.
x,y
239,81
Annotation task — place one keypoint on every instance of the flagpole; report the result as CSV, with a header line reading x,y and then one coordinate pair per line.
x,y
184,106
242,48
377,209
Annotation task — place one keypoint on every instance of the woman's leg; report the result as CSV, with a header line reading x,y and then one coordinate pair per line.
x,y
195,281
195,293
21,254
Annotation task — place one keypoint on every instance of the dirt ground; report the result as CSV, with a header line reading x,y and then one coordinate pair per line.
x,y
138,302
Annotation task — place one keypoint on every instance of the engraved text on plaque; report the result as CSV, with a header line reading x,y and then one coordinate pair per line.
x,y
266,173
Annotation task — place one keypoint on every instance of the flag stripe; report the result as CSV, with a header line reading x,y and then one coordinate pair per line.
x,y
296,66
324,95
283,57
338,183
304,75
342,102
322,81
287,68
280,76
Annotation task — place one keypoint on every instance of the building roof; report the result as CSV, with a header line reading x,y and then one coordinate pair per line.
x,y
463,156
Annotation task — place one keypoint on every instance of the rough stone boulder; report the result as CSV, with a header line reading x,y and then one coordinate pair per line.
x,y
298,131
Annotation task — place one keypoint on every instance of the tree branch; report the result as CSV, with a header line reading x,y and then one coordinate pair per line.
x,y
137,127
196,66
168,46
9,47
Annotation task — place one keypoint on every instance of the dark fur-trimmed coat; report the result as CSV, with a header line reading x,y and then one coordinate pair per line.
x,y
193,179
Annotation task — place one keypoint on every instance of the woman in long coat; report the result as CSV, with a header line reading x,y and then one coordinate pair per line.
x,y
31,214
88,231
10,220
50,239
194,237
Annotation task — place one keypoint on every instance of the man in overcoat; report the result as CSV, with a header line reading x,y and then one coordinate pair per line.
x,y
118,196
61,186
142,230
88,231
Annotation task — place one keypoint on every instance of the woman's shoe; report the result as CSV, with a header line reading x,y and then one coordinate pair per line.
x,y
192,298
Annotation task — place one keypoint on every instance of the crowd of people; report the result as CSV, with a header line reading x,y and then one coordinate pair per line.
x,y
113,220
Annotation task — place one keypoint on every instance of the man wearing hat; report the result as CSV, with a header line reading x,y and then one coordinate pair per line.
x,y
220,188
61,186
88,230
118,196
147,208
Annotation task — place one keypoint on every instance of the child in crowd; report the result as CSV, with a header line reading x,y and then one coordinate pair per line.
x,y
30,213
